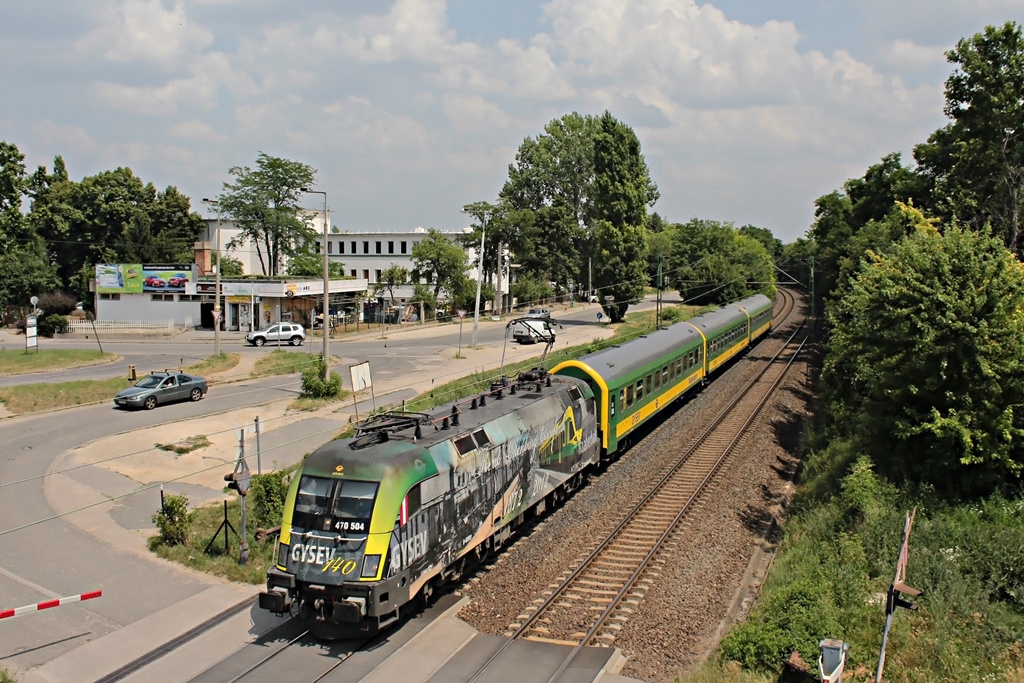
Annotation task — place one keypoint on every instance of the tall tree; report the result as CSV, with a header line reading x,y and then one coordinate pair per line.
x,y
925,370
622,191
976,163
264,203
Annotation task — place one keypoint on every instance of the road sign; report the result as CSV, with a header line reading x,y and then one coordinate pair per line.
x,y
461,313
600,315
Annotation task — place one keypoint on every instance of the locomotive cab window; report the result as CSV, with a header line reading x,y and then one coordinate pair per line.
x,y
354,500
313,496
481,438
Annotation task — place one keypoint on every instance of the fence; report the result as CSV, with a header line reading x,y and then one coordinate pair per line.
x,y
122,326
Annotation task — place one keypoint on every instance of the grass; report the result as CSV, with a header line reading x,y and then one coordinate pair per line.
x,y
308,403
29,398
187,445
219,362
20,362
281,362
6,677
220,562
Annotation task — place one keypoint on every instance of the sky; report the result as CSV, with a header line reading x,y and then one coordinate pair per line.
x,y
746,111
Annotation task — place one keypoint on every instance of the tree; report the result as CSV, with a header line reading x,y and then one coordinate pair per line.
x,y
264,204
229,267
13,184
772,244
308,264
391,277
620,269
925,370
976,163
440,262
713,263
621,194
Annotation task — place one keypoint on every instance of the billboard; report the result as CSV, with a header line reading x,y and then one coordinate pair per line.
x,y
136,278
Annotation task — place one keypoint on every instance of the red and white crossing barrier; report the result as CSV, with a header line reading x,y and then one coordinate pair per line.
x,y
47,604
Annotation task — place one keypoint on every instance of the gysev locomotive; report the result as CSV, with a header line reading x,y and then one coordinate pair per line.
x,y
373,521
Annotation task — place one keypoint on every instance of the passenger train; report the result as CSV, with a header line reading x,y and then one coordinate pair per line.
x,y
374,521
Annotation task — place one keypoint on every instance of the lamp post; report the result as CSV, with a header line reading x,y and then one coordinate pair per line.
x,y
216,287
479,276
327,287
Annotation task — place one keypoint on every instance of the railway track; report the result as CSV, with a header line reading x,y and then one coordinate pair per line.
x,y
591,603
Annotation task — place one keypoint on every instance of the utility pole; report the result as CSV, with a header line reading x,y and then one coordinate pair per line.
x,y
590,280
479,276
499,303
327,288
216,288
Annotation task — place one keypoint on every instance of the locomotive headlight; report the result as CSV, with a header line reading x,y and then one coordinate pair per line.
x,y
371,563
282,555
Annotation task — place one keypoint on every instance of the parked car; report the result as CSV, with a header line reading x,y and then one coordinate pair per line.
x,y
538,314
161,387
178,280
280,332
153,281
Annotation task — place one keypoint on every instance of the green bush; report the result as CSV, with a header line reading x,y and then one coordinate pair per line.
x,y
266,495
315,387
174,520
59,303
51,324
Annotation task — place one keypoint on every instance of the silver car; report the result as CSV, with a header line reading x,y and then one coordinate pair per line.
x,y
278,333
159,388
538,314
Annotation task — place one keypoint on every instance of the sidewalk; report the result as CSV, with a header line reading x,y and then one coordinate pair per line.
x,y
122,464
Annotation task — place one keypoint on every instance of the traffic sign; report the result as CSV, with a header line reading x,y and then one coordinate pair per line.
x,y
461,313
600,315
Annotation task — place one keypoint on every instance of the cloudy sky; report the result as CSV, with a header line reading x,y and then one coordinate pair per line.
x,y
746,110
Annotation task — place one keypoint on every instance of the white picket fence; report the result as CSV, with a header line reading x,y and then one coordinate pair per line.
x,y
122,326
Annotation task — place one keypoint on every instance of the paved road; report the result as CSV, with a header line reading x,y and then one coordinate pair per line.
x,y
103,546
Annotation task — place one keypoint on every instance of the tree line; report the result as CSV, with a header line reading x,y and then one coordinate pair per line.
x,y
572,219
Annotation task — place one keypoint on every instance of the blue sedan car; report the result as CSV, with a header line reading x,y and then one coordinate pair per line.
x,y
161,387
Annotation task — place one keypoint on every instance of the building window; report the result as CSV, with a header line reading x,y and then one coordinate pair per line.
x,y
353,271
391,247
319,248
162,297
377,246
341,247
189,297
403,246
354,248
366,275
110,297
330,247
376,274
366,247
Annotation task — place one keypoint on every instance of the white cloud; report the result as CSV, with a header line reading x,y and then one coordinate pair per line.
x,y
906,54
145,31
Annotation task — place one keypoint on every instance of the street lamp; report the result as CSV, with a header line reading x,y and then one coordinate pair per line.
x,y
327,286
216,288
479,277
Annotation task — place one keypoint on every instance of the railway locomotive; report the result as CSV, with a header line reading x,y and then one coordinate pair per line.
x,y
380,519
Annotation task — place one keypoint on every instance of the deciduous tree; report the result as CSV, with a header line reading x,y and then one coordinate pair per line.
x,y
925,369
264,204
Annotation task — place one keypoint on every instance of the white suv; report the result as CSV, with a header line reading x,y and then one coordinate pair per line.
x,y
281,332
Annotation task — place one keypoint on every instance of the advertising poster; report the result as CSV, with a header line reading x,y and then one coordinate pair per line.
x,y
165,278
119,278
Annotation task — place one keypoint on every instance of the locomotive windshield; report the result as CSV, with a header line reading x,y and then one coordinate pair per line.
x,y
343,507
